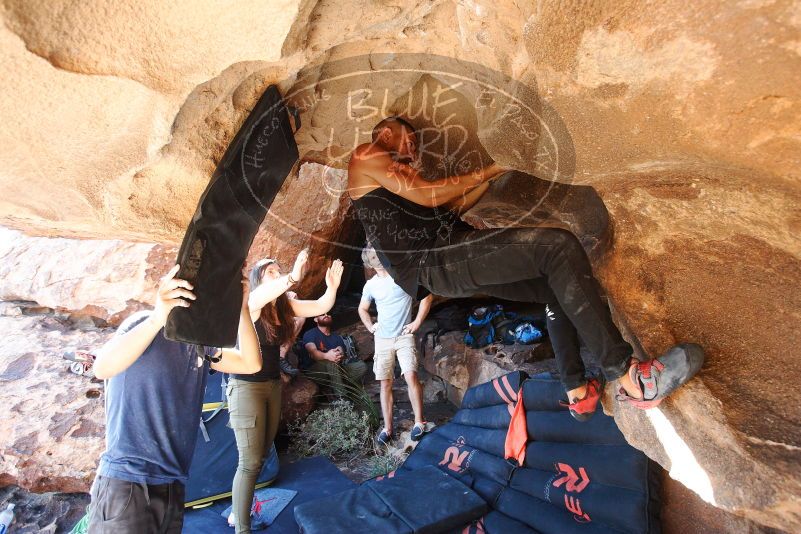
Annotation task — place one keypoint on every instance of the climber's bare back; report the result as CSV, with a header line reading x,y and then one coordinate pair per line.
x,y
367,160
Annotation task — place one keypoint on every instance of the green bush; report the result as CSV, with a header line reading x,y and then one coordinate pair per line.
x,y
383,461
336,430
353,392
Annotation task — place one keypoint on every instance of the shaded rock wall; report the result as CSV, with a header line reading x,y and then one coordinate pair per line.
x,y
685,119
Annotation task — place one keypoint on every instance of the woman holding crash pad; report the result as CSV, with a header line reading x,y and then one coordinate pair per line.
x,y
255,400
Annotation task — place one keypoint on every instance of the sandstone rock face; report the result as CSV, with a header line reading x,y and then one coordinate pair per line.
x,y
686,122
106,279
676,275
298,398
310,211
53,435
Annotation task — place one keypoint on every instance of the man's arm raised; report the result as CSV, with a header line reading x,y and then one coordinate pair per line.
x,y
122,350
405,181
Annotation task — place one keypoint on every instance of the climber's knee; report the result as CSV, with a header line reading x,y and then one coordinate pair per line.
x,y
566,243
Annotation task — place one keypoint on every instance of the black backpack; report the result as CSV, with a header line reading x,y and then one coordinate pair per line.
x,y
483,324
448,317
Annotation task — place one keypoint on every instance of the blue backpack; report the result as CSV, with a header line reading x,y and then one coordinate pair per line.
x,y
526,333
516,328
481,325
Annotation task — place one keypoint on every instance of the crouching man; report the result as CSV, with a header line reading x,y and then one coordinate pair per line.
x,y
154,396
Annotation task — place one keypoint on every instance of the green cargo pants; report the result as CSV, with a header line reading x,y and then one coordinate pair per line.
x,y
255,409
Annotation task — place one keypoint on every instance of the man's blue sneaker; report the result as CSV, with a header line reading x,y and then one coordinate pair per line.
x,y
418,431
383,437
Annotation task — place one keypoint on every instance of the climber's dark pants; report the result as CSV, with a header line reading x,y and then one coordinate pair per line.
x,y
545,265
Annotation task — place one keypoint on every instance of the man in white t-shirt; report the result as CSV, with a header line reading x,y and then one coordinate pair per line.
x,y
394,336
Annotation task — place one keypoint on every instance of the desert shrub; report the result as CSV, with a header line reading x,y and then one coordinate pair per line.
x,y
336,430
356,394
383,461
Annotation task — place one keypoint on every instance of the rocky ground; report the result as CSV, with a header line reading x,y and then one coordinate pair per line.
x,y
54,433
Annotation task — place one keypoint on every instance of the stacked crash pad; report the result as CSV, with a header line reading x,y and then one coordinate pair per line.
x,y
574,477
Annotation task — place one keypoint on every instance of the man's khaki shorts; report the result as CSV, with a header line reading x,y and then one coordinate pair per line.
x,y
386,348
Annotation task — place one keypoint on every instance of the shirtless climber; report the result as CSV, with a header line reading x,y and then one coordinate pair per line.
x,y
415,228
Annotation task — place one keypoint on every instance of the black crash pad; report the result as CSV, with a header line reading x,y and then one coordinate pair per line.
x,y
229,213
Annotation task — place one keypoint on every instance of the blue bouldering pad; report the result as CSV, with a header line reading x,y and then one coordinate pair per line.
x,y
313,478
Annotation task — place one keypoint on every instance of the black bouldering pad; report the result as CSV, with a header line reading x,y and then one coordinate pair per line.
x,y
229,213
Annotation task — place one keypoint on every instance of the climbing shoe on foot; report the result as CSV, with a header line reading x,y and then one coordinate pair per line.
x,y
583,409
658,378
287,368
417,432
383,438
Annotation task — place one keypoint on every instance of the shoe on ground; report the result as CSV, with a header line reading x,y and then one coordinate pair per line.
x,y
287,368
658,378
583,409
383,438
417,432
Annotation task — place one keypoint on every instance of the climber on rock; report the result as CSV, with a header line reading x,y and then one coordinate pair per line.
x,y
154,396
414,225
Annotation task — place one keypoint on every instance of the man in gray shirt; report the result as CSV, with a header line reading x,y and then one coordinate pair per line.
x,y
394,336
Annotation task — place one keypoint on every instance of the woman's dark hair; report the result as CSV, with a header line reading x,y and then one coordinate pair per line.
x,y
277,316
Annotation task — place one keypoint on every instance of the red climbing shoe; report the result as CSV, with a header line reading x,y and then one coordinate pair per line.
x,y
583,409
656,379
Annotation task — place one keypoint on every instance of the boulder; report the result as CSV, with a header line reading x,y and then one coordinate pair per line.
x,y
43,513
461,367
298,399
309,212
98,278
664,281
